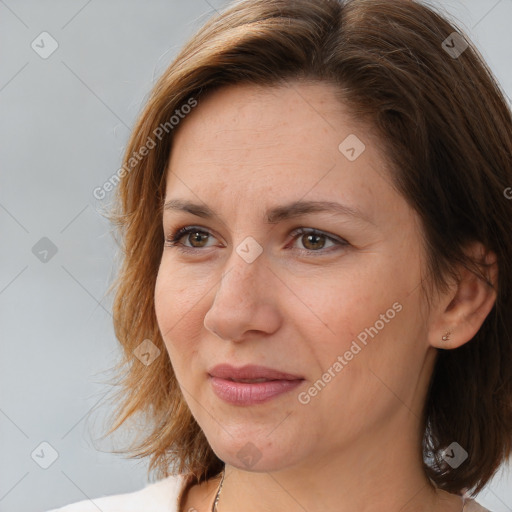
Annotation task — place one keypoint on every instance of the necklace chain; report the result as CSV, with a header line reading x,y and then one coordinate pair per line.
x,y
214,506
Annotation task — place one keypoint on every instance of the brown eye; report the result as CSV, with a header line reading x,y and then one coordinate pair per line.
x,y
195,236
313,241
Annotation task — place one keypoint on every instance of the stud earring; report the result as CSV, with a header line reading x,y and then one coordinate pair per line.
x,y
446,337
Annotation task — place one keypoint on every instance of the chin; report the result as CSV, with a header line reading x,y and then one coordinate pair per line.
x,y
256,453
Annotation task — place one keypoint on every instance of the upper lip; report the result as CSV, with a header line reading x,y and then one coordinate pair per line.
x,y
250,371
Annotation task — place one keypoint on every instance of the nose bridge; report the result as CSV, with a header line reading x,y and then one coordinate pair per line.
x,y
245,270
240,303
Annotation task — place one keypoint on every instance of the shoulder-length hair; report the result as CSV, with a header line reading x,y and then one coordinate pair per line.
x,y
405,70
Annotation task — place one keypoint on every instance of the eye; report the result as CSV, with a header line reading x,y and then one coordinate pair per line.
x,y
313,240
199,236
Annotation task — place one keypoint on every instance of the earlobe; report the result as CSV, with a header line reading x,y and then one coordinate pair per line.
x,y
464,309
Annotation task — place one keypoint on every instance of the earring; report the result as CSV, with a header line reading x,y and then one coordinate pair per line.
x,y
446,337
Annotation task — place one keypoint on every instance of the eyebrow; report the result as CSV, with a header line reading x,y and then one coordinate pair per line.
x,y
276,214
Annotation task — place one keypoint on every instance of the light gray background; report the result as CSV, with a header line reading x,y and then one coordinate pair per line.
x,y
64,124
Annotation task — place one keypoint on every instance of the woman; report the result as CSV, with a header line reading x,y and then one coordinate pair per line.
x,y
314,301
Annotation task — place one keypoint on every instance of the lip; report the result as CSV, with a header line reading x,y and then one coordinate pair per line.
x,y
241,393
245,393
250,371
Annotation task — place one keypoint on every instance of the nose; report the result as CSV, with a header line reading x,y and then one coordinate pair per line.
x,y
245,301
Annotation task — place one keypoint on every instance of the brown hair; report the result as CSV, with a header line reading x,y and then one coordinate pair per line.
x,y
447,133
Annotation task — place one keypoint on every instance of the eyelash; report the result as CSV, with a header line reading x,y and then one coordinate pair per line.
x,y
173,239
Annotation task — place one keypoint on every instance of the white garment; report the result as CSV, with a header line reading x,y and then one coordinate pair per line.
x,y
473,506
162,496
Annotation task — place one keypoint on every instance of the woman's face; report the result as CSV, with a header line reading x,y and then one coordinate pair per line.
x,y
341,309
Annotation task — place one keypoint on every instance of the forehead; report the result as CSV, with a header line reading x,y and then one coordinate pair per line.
x,y
244,115
245,142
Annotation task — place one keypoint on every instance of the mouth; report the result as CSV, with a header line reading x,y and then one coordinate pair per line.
x,y
250,373
251,393
250,385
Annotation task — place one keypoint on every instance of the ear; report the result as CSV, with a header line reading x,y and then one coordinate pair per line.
x,y
461,311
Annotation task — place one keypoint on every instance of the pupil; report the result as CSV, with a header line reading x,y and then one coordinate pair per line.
x,y
197,236
313,237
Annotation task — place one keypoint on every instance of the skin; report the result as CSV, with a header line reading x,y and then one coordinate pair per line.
x,y
301,303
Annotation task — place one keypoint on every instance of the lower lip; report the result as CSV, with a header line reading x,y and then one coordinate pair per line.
x,y
244,393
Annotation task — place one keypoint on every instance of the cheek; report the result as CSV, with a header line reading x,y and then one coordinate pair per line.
x,y
169,305
178,311
164,301
174,296
338,304
361,314
329,315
